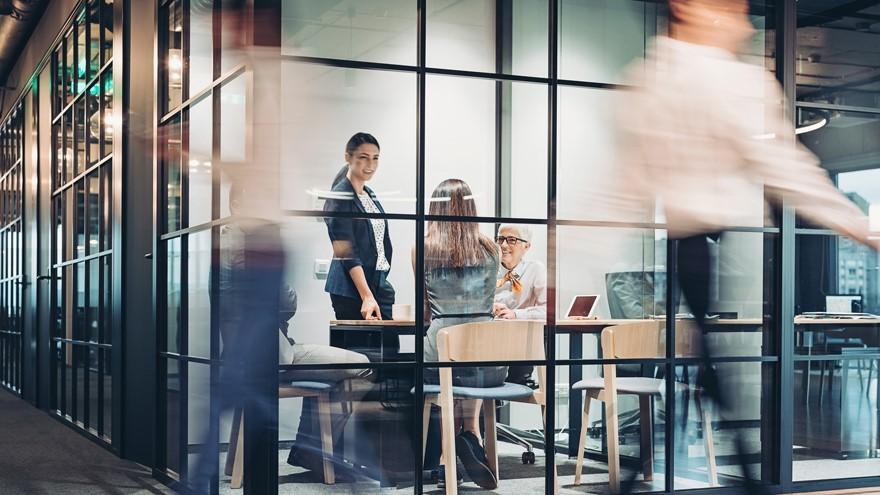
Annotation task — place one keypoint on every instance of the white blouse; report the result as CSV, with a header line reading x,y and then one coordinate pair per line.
x,y
382,264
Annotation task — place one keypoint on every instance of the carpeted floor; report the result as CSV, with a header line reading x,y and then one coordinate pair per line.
x,y
39,455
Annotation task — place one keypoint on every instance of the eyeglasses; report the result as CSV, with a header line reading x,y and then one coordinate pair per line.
x,y
510,240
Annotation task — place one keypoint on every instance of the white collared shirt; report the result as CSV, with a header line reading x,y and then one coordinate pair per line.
x,y
531,302
705,136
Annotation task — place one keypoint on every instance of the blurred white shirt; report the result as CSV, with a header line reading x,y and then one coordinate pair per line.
x,y
702,132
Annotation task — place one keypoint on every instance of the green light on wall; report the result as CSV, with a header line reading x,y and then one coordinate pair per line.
x,y
108,86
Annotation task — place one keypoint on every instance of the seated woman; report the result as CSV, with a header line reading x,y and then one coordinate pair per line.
x,y
522,286
460,269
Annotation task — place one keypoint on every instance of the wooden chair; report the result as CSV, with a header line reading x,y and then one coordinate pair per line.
x,y
483,341
320,390
638,341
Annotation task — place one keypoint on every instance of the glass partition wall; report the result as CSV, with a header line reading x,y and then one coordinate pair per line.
x,y
82,199
514,98
11,244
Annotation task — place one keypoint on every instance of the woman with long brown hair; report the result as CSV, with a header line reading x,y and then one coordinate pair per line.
x,y
461,265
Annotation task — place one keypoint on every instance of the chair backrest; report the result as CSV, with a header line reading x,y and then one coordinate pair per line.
x,y
497,340
647,340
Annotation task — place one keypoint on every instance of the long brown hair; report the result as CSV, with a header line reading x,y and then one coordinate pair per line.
x,y
452,244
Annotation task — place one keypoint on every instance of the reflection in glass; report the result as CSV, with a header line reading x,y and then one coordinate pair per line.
x,y
364,30
832,64
172,17
233,136
108,122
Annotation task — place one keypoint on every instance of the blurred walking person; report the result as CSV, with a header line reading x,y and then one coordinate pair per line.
x,y
702,132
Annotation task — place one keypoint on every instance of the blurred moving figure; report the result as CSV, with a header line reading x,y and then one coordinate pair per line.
x,y
460,269
358,278
702,132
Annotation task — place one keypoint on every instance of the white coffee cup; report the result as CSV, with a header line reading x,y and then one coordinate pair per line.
x,y
401,312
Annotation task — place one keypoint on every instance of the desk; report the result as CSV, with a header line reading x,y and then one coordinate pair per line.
x,y
372,337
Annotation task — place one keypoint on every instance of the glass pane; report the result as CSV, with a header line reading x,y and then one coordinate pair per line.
x,y
110,122
80,126
70,66
93,123
173,302
172,72
93,309
68,150
488,36
93,204
833,64
314,101
198,411
462,119
59,79
198,293
311,320
106,325
372,430
233,135
740,294
835,411
108,393
641,428
200,63
364,30
171,150
94,33
706,433
172,415
456,137
199,167
93,403
82,73
599,38
107,27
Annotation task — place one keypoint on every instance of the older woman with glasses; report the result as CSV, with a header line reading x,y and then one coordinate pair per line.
x,y
521,290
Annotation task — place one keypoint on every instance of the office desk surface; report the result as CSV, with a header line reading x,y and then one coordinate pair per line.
x,y
373,323
559,323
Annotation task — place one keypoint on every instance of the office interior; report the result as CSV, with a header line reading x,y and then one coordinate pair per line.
x,y
130,122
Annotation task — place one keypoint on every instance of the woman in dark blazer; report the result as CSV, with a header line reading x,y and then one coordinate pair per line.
x,y
358,278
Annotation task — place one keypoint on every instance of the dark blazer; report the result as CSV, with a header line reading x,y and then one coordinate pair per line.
x,y
353,241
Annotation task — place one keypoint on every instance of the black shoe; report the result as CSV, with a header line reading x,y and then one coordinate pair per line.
x,y
473,457
315,464
439,476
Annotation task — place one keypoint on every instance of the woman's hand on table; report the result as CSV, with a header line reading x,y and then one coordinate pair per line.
x,y
370,309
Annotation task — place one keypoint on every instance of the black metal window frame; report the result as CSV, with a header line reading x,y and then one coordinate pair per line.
x,y
779,278
84,236
12,242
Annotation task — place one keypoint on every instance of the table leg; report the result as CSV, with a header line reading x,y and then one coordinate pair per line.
x,y
575,400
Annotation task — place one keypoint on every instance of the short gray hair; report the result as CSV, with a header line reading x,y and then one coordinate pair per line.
x,y
525,232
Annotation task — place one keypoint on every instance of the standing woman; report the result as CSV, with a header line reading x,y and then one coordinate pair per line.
x,y
358,278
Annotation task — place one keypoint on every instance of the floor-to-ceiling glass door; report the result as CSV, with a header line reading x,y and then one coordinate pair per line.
x,y
82,277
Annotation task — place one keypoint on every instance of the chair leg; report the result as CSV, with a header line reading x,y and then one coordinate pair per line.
x,y
238,462
582,443
647,436
426,420
324,422
233,442
552,456
491,436
447,424
613,441
709,440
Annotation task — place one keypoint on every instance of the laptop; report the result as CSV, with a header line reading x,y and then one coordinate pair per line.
x,y
582,307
